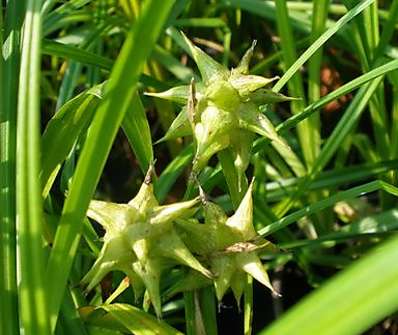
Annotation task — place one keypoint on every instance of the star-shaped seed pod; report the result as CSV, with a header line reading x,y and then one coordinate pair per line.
x,y
228,245
222,111
140,240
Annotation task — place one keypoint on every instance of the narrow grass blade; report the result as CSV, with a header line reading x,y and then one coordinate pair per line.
x,y
319,18
135,126
319,42
328,179
365,293
71,52
172,64
342,90
346,123
170,174
9,74
295,85
137,321
325,203
62,132
103,130
32,290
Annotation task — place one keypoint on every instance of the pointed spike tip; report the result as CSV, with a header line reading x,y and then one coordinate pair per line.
x,y
150,173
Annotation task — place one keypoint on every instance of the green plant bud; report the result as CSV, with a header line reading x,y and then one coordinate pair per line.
x,y
140,241
223,112
228,245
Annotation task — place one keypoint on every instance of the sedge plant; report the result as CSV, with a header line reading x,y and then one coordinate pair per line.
x,y
276,163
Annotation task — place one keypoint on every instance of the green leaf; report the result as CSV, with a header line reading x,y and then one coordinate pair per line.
x,y
135,126
331,200
9,79
71,52
62,132
34,315
350,302
137,321
320,41
103,130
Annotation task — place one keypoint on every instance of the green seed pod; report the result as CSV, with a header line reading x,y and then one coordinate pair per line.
x,y
140,241
223,110
228,245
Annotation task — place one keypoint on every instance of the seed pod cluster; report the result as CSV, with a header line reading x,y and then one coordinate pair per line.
x,y
143,239
140,240
222,111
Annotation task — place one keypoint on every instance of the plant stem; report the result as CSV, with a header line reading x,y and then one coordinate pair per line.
x,y
32,292
9,73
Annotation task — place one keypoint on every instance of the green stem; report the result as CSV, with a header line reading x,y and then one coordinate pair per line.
x,y
32,291
9,73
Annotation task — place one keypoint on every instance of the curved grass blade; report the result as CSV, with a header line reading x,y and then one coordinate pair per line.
x,y
9,74
62,132
350,302
103,130
54,48
137,321
325,203
32,291
135,126
381,224
319,42
344,89
170,174
328,179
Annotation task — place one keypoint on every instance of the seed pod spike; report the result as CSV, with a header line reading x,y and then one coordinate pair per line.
x,y
150,274
224,270
208,67
172,212
180,127
242,220
251,119
136,283
177,94
244,63
145,197
171,246
250,263
111,216
96,274
238,285
264,96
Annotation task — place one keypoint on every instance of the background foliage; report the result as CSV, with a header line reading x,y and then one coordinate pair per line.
x,y
76,125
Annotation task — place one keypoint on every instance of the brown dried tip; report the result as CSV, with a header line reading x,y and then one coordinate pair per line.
x,y
202,195
192,101
150,173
